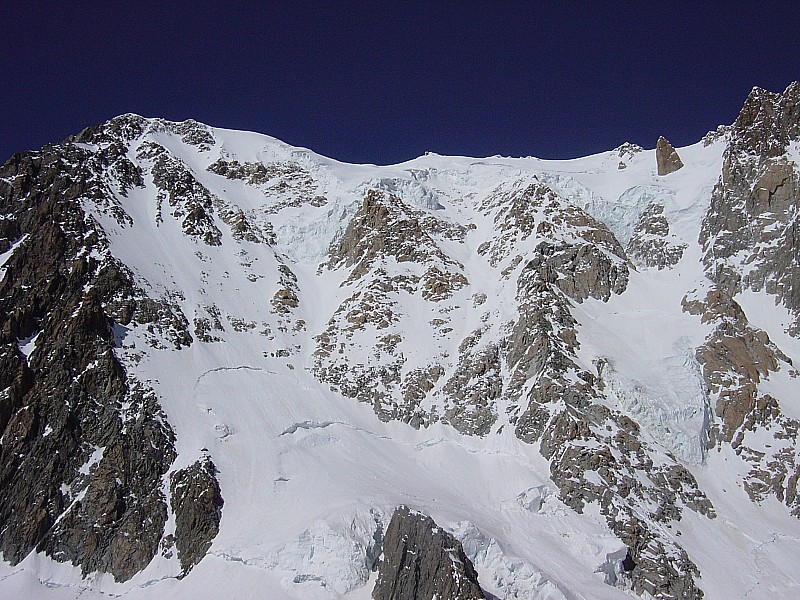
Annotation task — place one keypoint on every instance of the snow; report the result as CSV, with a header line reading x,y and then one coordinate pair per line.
x,y
28,345
644,344
310,478
321,492
94,458
503,576
759,544
6,256
768,315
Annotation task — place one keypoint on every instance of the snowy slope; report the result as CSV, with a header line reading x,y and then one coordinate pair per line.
x,y
310,476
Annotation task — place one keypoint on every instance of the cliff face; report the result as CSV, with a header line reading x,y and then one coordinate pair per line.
x,y
667,159
750,239
420,560
84,446
219,352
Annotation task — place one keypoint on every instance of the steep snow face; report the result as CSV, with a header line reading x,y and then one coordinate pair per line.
x,y
619,197
342,339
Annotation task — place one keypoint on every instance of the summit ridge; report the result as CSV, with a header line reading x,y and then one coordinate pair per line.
x,y
223,358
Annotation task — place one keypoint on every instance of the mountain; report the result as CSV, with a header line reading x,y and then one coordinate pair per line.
x,y
233,367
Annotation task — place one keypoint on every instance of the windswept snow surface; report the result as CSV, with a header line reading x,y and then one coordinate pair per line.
x,y
310,478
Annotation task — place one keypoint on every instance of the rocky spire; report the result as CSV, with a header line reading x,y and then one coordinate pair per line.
x,y
768,121
667,157
421,560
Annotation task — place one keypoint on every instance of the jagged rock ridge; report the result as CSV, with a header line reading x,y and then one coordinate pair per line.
x,y
420,560
100,503
750,239
190,314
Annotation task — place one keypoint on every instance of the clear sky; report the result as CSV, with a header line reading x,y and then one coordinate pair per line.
x,y
384,82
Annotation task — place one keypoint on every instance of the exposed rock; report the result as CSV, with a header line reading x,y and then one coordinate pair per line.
x,y
577,253
651,244
750,237
84,445
438,285
204,325
422,562
667,159
287,183
363,318
190,131
286,299
736,357
128,127
628,150
752,229
720,133
385,226
416,386
596,455
474,387
86,452
191,202
581,271
393,253
533,371
242,228
121,129
767,122
197,503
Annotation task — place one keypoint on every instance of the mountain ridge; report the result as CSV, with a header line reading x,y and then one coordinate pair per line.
x,y
217,308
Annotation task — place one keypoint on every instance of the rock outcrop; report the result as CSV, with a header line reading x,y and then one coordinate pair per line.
x,y
197,503
736,359
750,237
651,244
471,295
421,561
393,254
751,231
85,445
597,455
667,159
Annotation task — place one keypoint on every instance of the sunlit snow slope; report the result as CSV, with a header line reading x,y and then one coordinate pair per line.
x,y
512,346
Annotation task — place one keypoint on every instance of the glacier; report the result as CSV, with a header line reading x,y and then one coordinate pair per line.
x,y
310,476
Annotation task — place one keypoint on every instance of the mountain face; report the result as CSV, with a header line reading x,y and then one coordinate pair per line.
x,y
225,359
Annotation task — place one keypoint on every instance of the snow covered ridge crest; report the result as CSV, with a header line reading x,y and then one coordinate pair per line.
x,y
222,357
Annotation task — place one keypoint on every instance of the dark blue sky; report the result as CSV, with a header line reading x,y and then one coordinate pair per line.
x,y
373,82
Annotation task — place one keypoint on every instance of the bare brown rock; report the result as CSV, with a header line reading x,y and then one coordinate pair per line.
x,y
667,159
755,205
736,358
85,445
